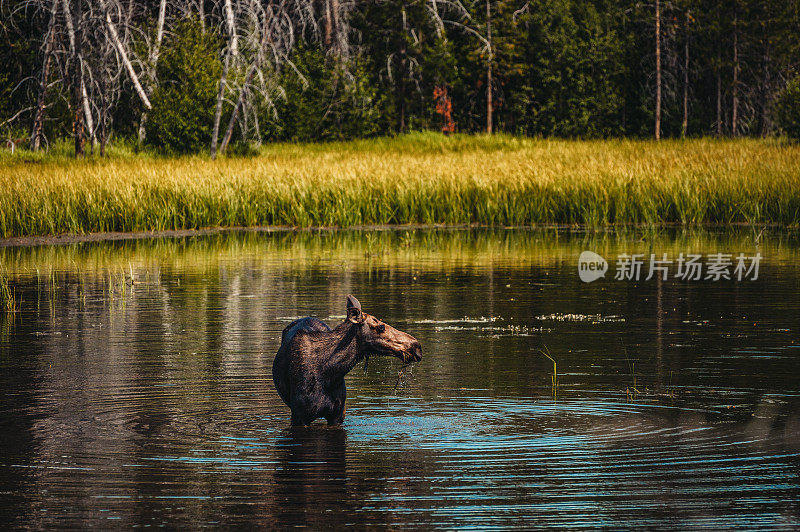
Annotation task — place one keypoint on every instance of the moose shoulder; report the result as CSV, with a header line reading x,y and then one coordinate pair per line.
x,y
313,359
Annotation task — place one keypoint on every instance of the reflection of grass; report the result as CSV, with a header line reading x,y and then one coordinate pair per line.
x,y
421,178
442,251
8,298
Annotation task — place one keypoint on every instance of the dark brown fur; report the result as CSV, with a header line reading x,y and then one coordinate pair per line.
x,y
311,364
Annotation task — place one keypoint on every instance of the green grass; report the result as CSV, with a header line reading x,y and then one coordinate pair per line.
x,y
63,150
419,178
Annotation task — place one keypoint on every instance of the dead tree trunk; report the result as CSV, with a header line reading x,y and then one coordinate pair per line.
x,y
767,83
77,77
70,25
401,85
266,39
658,70
220,98
489,69
336,28
328,25
236,108
153,63
719,102
234,43
401,89
112,30
87,110
103,116
735,87
331,25
685,122
75,33
38,119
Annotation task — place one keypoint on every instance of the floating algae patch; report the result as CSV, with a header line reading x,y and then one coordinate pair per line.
x,y
590,318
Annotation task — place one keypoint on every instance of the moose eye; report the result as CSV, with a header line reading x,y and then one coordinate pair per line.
x,y
380,328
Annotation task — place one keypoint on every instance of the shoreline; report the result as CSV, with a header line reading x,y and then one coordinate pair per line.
x,y
75,238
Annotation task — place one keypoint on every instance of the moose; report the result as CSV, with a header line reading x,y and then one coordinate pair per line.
x,y
313,359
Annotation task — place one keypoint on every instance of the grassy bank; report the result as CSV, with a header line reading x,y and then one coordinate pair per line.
x,y
420,178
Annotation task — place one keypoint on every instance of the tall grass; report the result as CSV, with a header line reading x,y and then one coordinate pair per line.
x,y
422,178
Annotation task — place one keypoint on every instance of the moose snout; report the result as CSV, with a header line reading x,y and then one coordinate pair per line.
x,y
415,352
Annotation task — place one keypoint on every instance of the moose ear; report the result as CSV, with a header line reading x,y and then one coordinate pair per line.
x,y
354,310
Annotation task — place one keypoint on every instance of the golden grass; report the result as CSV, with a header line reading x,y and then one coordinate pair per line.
x,y
422,178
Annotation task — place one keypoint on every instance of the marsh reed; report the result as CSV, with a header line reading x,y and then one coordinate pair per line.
x,y
8,296
418,178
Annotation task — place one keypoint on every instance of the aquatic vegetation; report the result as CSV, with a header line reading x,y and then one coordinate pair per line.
x,y
8,299
554,377
415,179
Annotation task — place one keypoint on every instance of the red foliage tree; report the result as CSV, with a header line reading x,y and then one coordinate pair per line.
x,y
444,107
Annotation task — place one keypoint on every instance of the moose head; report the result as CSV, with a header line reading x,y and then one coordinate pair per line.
x,y
381,338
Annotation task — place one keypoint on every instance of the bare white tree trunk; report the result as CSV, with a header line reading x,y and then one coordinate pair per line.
x,y
124,56
162,13
75,30
153,63
489,69
254,67
38,120
336,26
70,26
685,122
220,98
735,86
239,102
84,98
719,101
234,43
658,71
201,12
87,110
328,25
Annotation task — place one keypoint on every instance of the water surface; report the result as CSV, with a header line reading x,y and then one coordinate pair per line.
x,y
137,385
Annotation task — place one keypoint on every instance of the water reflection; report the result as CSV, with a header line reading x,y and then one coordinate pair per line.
x,y
311,480
137,387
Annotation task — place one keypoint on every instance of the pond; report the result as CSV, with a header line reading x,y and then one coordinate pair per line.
x,y
137,388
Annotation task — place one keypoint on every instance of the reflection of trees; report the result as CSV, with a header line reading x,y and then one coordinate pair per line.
x,y
20,385
215,302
